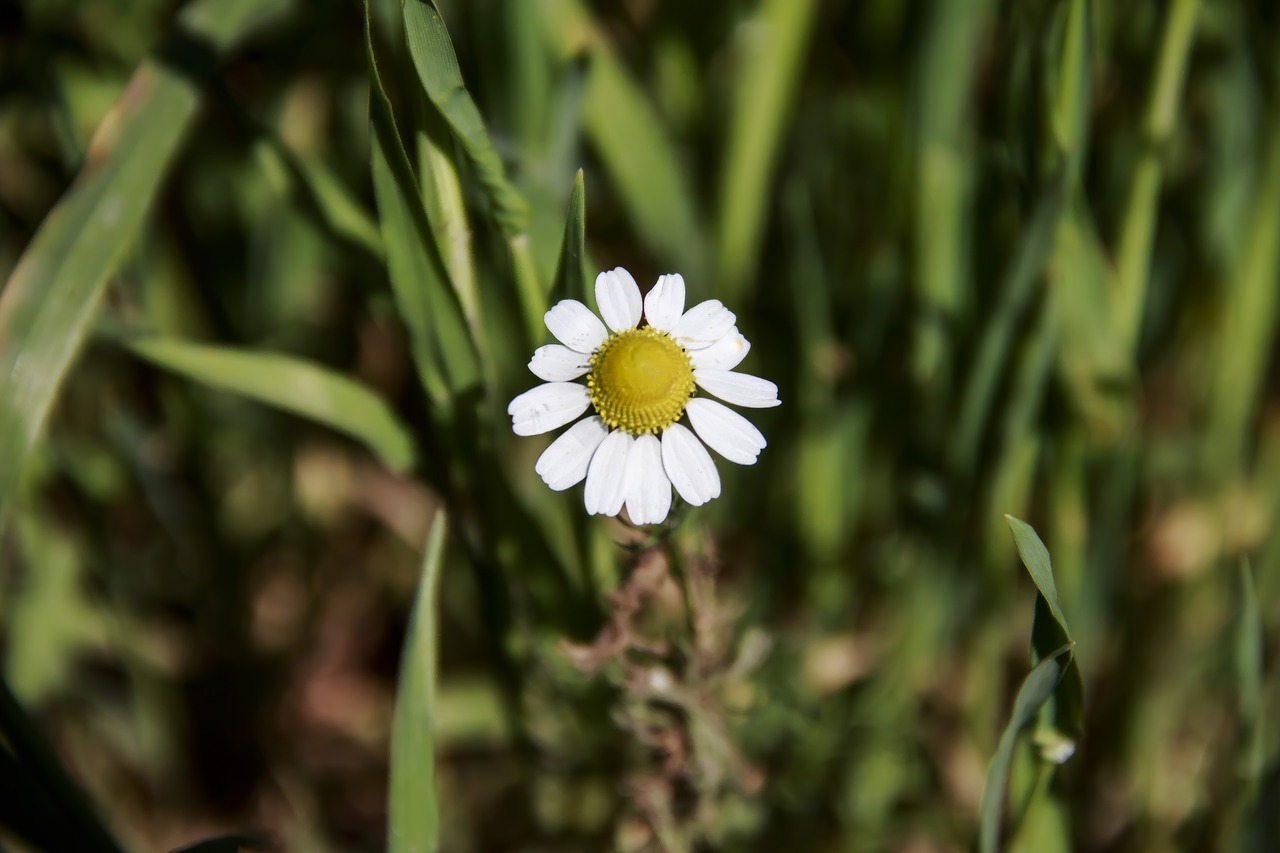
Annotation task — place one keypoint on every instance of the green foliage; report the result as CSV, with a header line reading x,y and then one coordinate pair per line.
x,y
1002,260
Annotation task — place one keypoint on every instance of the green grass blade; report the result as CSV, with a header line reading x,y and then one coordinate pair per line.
x,y
571,280
413,813
442,348
1017,292
437,67
1035,691
48,305
1138,228
1049,633
765,91
1249,647
292,385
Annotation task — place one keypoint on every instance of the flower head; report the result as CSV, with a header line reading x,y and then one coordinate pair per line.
x,y
642,383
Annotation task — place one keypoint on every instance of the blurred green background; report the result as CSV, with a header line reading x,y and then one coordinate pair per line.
x,y
1000,258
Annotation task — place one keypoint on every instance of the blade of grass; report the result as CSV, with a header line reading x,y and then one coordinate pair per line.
x,y
48,305
629,136
1049,634
413,813
443,350
1035,691
1133,253
944,187
292,385
437,67
1017,292
1248,327
774,45
571,280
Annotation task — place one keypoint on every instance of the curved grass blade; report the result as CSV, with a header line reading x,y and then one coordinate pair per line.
x,y
1049,633
413,816
49,303
1032,695
437,67
292,385
443,350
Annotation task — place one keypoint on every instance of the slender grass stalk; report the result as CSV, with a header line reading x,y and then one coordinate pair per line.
x,y
1133,254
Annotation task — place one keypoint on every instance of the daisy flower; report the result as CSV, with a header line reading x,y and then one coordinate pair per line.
x,y
642,382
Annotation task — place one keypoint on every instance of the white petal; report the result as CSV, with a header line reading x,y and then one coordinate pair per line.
x,y
725,354
665,303
554,363
648,489
564,462
725,431
575,326
548,406
703,325
689,466
607,475
741,389
618,298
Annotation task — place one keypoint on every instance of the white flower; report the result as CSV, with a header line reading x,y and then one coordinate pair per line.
x,y
641,381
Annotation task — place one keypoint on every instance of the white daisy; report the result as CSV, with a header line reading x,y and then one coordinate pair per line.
x,y
641,381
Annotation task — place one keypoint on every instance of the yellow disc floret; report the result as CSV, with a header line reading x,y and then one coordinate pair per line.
x,y
640,380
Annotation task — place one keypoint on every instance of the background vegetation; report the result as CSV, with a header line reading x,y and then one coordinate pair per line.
x,y
264,310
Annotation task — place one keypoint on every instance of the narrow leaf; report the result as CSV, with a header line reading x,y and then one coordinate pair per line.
x,y
1032,695
571,281
442,348
292,385
48,306
413,816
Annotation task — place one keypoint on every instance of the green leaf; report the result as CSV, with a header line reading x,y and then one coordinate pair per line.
x,y
437,67
413,816
1035,691
442,347
1049,633
292,385
48,306
571,279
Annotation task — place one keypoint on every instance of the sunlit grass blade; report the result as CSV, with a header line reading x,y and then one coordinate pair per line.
x,y
437,67
1032,695
1070,111
773,44
571,280
442,347
292,385
413,814
50,300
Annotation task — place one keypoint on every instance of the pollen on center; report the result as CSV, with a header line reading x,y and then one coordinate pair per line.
x,y
640,380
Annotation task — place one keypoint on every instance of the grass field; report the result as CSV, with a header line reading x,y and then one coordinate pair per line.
x,y
275,572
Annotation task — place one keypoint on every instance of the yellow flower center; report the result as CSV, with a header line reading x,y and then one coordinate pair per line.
x,y
640,380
